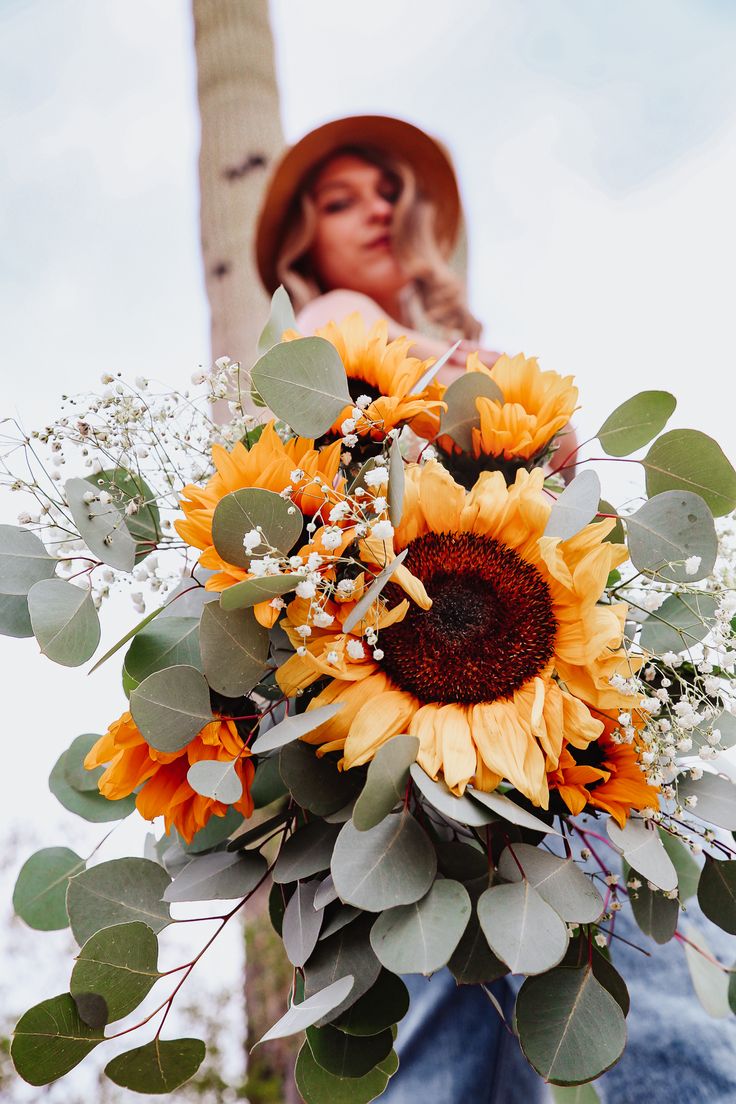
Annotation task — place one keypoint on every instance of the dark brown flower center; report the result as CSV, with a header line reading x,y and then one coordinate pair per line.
x,y
491,627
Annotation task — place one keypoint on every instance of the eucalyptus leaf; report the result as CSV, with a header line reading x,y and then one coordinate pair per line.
x,y
158,1067
293,728
655,914
39,896
688,871
576,507
617,534
680,622
560,882
262,588
669,529
507,809
169,642
344,1055
716,799
347,951
15,620
462,416
724,722
304,383
119,965
64,620
643,850
362,606
391,864
160,610
130,492
253,835
424,381
473,962
23,561
325,893
315,783
312,1009
219,876
420,938
50,1039
281,318
337,919
216,779
234,649
717,893
302,922
101,526
240,512
396,483
521,928
75,772
441,797
575,1094
385,1003
636,422
117,892
710,982
316,1085
89,805
306,853
688,460
388,773
171,706
570,1028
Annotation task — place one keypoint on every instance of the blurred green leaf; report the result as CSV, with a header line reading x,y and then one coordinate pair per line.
x,y
39,896
635,422
64,620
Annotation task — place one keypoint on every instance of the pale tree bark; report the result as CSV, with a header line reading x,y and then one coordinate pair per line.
x,y
240,137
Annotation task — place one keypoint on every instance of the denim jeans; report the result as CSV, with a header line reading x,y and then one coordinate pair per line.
x,y
453,1048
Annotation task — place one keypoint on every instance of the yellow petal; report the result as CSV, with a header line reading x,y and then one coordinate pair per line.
x,y
375,723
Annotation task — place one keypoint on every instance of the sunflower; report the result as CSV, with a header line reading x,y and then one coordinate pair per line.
x,y
269,464
519,431
606,775
484,665
382,371
163,777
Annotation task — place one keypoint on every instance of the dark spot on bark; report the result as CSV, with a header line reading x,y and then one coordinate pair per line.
x,y
251,162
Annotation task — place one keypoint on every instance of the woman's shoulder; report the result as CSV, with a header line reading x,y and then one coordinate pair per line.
x,y
334,306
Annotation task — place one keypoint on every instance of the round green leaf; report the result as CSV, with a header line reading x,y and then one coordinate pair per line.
x,y
348,1055
166,642
388,773
101,526
117,892
420,938
687,460
119,965
131,492
642,848
293,728
64,620
507,809
383,1005
306,853
268,785
15,620
217,779
717,893
304,383
710,981
89,805
50,1039
617,535
234,649
570,1028
559,882
39,896
441,797
655,914
462,416
462,861
473,961
716,799
316,1006
158,1067
635,422
521,928
667,530
75,773
219,876
23,560
317,1086
238,513
347,951
680,622
281,318
688,871
262,589
575,507
301,923
315,784
391,864
171,706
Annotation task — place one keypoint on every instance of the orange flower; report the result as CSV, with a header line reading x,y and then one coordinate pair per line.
x,y
606,776
163,777
384,371
269,464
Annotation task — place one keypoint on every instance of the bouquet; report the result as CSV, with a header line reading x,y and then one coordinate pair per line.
x,y
453,711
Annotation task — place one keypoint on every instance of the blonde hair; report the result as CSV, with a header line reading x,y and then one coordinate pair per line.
x,y
436,296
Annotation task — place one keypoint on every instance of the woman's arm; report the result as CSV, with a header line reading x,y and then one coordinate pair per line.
x,y
334,306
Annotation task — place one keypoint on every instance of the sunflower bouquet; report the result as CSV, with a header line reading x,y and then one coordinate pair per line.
x,y
453,711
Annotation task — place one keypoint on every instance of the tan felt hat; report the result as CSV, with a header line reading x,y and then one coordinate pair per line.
x,y
429,160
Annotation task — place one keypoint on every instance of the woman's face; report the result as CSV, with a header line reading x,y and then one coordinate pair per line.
x,y
352,246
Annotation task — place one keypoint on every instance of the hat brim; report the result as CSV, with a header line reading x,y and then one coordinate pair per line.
x,y
430,163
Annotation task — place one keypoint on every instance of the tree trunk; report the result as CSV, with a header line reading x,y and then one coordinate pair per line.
x,y
240,137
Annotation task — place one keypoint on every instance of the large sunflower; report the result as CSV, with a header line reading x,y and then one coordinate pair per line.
x,y
488,670
606,775
269,464
163,777
383,371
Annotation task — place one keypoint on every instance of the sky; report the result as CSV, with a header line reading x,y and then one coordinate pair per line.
x,y
596,149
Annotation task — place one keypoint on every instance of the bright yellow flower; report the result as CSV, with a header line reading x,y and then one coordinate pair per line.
x,y
484,664
268,464
163,777
384,371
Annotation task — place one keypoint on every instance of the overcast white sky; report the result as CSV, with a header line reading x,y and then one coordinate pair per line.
x,y
596,148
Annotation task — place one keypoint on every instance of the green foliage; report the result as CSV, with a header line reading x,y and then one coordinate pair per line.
x,y
302,921
347,951
716,799
117,966
316,1085
240,512
23,561
388,865
304,383
64,620
643,850
169,642
130,491
234,649
314,1008
39,896
441,797
293,728
50,1039
361,607
559,882
171,706
15,620
576,507
688,460
280,319
307,852
461,416
158,1067
667,530
396,483
252,591
88,804
216,779
521,928
636,422
388,774
385,1003
680,622
717,893
420,938
316,784
688,871
219,876
117,892
655,914
345,1055
101,526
